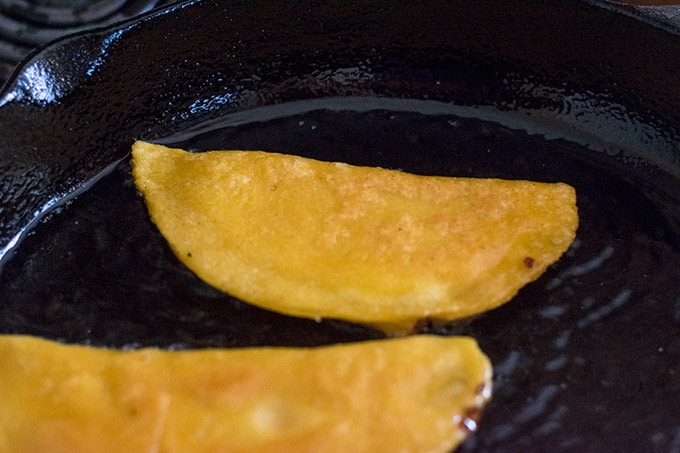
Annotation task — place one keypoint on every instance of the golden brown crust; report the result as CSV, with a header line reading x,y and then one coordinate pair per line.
x,y
409,394
320,239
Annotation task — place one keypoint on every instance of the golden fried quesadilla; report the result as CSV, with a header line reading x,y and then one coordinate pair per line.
x,y
419,393
370,245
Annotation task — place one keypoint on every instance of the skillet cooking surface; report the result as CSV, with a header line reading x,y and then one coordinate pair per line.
x,y
586,358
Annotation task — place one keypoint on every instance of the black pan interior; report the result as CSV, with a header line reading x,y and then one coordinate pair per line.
x,y
587,358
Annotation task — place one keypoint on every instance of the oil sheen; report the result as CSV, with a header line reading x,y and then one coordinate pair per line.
x,y
589,339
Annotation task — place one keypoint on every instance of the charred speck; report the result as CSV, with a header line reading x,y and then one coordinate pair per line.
x,y
529,262
473,412
471,418
423,325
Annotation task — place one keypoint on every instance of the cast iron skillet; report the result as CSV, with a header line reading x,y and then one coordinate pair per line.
x,y
587,358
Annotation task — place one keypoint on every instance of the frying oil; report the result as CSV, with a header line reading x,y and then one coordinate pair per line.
x,y
571,349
